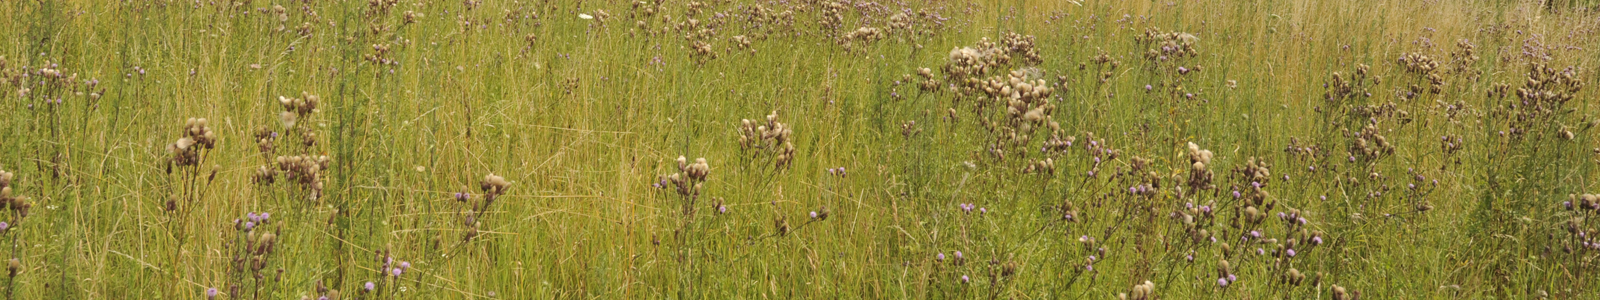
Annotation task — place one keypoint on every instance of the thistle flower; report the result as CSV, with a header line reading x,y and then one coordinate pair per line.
x,y
211,293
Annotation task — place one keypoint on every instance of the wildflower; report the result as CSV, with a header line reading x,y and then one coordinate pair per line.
x,y
369,286
211,293
964,279
1223,282
939,257
1290,252
396,272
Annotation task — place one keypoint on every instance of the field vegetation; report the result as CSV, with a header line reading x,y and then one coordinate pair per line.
x,y
800,149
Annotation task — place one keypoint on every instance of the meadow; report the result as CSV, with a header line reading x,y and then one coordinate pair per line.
x,y
800,149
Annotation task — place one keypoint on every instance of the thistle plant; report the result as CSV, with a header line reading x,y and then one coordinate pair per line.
x,y
470,209
387,278
187,155
15,209
302,167
769,139
252,254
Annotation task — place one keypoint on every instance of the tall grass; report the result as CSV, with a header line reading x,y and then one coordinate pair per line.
x,y
418,101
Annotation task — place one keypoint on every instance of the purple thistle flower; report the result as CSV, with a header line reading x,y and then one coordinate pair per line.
x,y
1147,88
211,293
958,255
1260,251
370,286
1088,267
1223,282
964,279
1232,278
1236,194
939,257
249,225
1290,252
982,210
405,265
1316,240
397,272
4,226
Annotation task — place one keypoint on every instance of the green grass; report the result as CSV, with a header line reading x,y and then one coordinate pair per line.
x,y
584,116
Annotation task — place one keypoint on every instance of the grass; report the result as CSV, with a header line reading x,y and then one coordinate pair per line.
x,y
417,102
